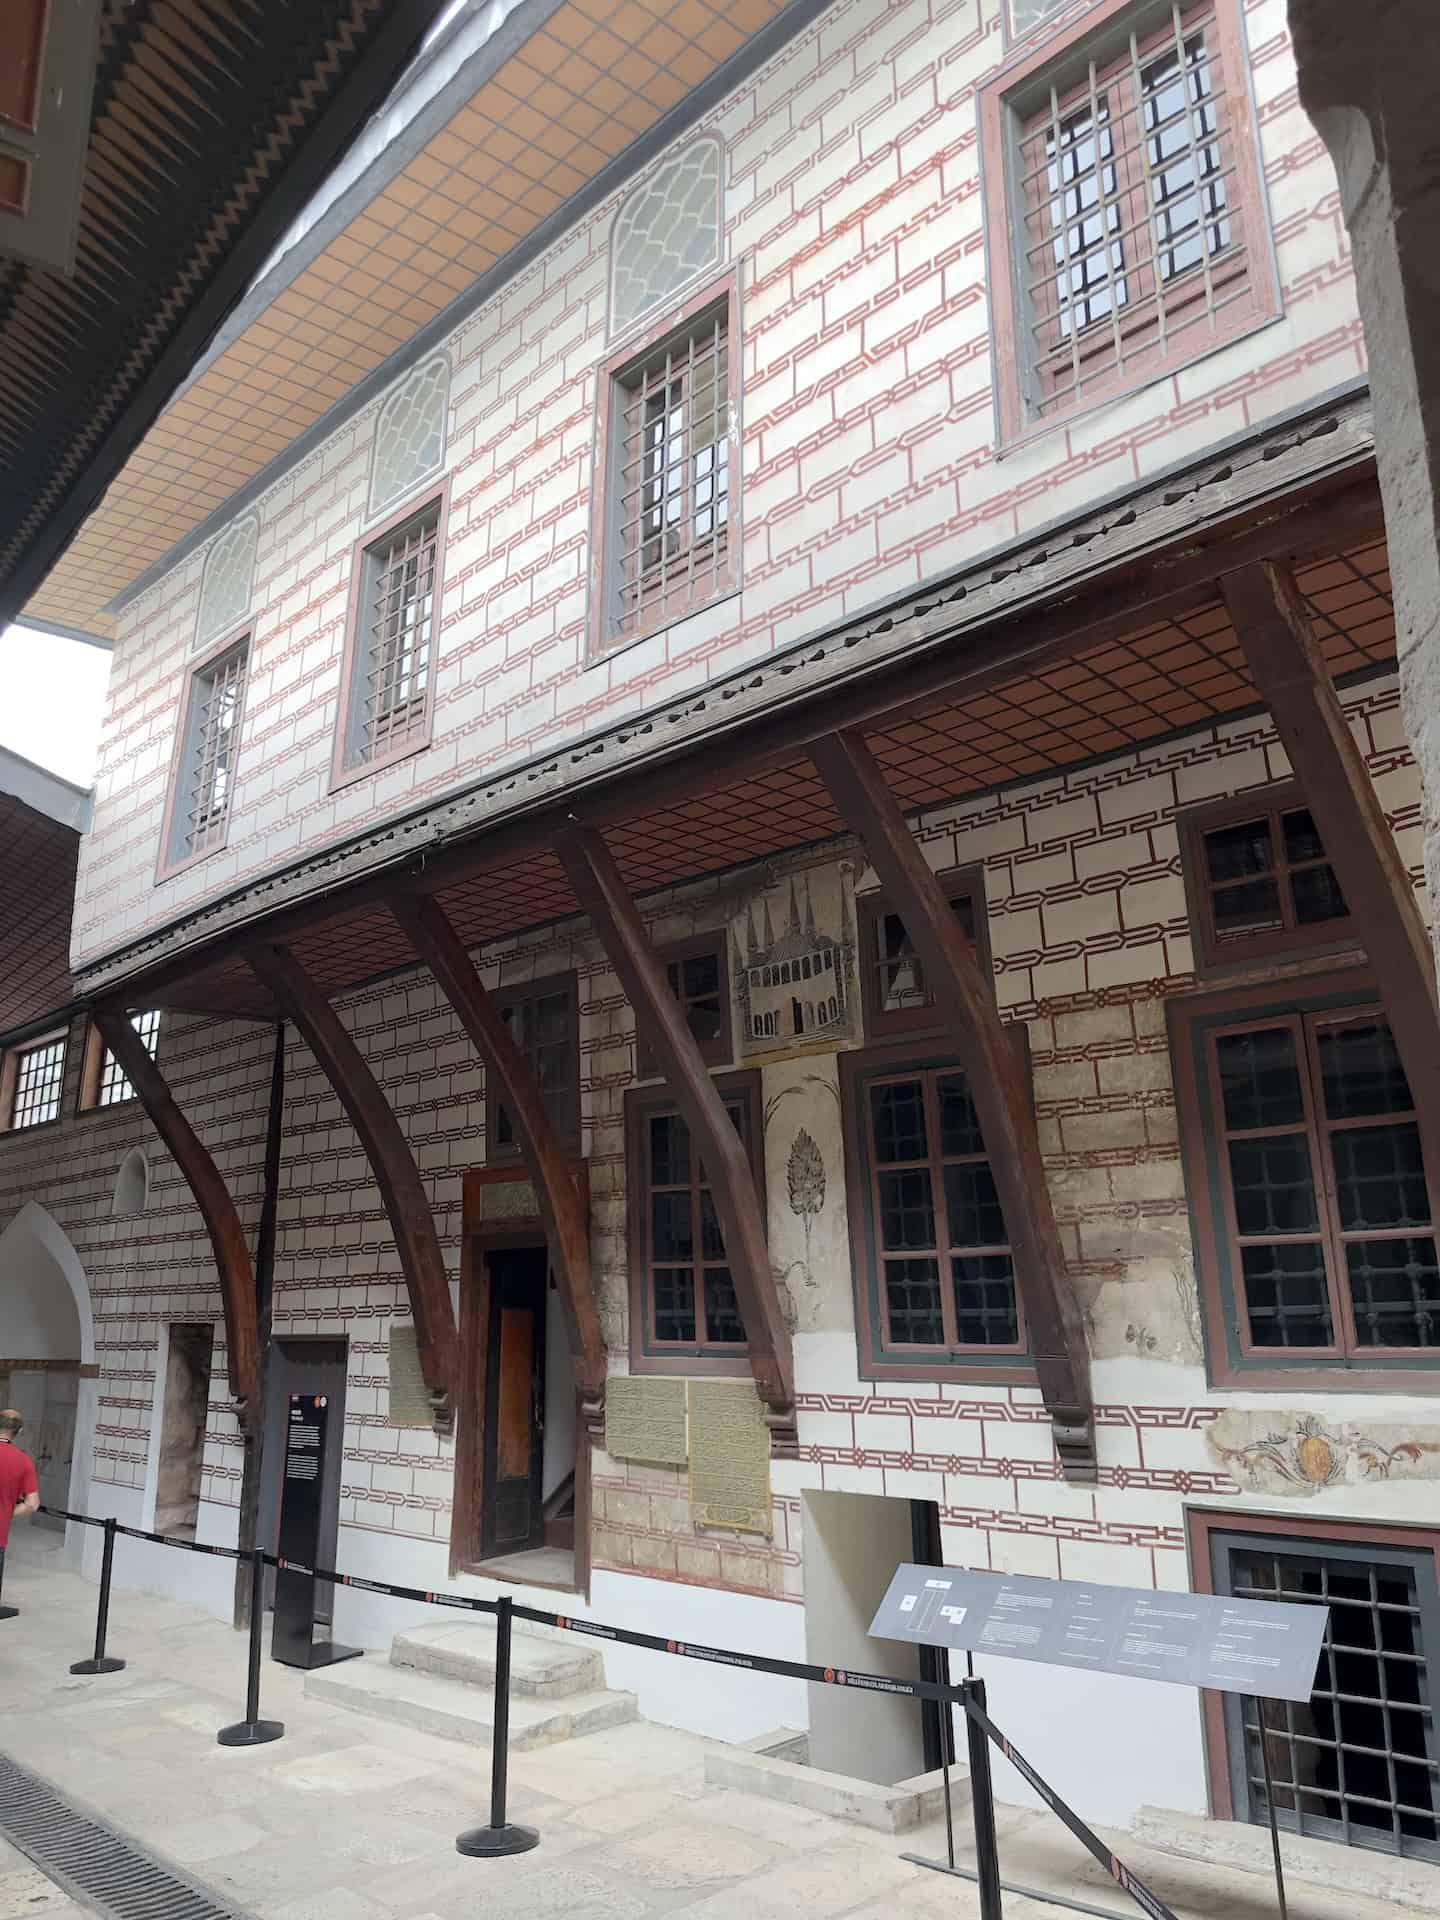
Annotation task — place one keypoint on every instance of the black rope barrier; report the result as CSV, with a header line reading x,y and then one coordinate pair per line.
x,y
501,1837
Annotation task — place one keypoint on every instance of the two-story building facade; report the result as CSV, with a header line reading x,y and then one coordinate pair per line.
x,y
768,649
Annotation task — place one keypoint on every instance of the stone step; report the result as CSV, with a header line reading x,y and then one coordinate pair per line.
x,y
540,1668
455,1711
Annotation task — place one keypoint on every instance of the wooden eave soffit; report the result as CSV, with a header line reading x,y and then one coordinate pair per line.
x,y
212,1197
997,1086
391,1161
562,1208
1289,669
597,886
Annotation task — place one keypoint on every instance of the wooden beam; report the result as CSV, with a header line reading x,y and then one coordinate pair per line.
x,y
567,1225
391,1162
1283,654
997,1086
212,1197
596,883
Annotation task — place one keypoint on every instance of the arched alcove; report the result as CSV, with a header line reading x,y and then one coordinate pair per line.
x,y
131,1192
47,1335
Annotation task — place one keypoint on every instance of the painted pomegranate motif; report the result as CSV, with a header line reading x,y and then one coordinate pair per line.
x,y
1316,1458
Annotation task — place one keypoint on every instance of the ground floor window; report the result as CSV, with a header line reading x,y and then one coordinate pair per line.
x,y
1358,1762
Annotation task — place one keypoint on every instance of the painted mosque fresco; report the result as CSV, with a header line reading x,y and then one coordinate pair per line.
x,y
793,955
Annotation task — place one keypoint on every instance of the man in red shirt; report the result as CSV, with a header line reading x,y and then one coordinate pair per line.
x,y
19,1490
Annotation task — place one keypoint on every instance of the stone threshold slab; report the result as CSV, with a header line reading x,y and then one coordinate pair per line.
x,y
863,1803
1412,1884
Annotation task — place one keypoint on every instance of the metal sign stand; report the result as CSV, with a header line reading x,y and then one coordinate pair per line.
x,y
1270,1809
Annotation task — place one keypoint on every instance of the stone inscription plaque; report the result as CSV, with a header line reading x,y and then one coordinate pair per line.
x,y
729,1457
409,1401
645,1420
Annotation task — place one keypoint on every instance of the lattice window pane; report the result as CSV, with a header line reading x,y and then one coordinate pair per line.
x,y
687,1247
39,1077
410,433
216,697
113,1087
1025,14
665,233
229,580
393,660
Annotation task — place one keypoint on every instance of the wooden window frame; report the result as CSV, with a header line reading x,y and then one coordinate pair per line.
x,y
1008,103
1217,956
10,1080
92,1068
647,1355
1317,1531
625,363
960,883
170,863
719,1052
432,497
908,1059
1232,1359
543,987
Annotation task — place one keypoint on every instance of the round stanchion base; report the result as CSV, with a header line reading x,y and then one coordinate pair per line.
x,y
491,1843
98,1666
8,1613
250,1733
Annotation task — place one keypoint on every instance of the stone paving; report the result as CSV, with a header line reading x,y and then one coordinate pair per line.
x,y
350,1819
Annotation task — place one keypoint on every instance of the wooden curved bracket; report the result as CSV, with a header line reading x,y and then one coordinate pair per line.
x,y
596,883
997,1086
212,1196
391,1162
567,1228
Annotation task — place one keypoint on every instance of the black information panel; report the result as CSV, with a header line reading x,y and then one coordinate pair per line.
x,y
301,1491
1264,1647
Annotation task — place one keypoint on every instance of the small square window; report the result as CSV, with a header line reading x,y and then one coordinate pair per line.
x,y
1259,880
896,996
31,1082
697,975
102,1082
668,451
390,660
543,1019
199,811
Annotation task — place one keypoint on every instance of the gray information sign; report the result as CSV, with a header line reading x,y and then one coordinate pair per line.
x,y
1264,1647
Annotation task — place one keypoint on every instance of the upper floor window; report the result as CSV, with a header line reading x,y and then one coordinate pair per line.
x,y
1313,1197
228,582
896,996
684,1316
390,660
1125,174
31,1079
205,761
1023,15
934,1275
543,1019
410,433
666,232
102,1082
1259,878
669,444
698,977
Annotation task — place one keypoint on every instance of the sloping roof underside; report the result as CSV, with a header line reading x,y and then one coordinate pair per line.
x,y
594,78
37,897
213,122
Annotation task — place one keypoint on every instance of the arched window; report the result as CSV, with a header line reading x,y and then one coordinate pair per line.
x,y
666,232
229,580
410,433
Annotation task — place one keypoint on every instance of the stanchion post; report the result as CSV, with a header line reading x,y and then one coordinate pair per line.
x,y
252,1731
1270,1809
500,1837
947,1735
100,1663
6,1613
982,1806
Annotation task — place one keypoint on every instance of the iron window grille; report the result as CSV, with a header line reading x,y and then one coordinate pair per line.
x,y
392,662
1259,878
38,1076
671,429
1358,1762
111,1085
1328,1205
543,1020
211,744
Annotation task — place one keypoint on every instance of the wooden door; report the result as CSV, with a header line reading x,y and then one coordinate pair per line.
x,y
512,1516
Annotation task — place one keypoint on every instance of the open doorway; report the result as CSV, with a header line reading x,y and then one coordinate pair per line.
x,y
47,1353
184,1412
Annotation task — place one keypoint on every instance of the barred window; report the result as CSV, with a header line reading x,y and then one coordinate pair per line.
x,y
200,810
104,1082
393,655
34,1076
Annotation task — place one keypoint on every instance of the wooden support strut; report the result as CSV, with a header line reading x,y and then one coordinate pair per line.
x,y
1274,631
212,1197
596,883
997,1087
391,1162
424,923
